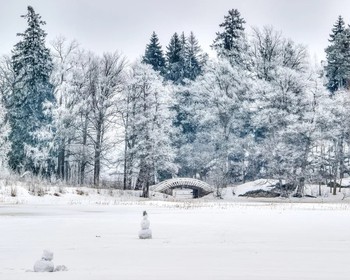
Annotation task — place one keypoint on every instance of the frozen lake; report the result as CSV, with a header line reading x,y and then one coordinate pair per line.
x,y
240,241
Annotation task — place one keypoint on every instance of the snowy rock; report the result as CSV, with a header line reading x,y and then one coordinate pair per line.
x,y
145,232
45,264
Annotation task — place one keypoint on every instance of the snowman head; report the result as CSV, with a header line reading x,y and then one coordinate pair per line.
x,y
47,255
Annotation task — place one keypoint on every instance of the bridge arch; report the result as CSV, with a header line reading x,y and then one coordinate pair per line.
x,y
200,187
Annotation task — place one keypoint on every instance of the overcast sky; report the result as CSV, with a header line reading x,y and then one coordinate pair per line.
x,y
108,25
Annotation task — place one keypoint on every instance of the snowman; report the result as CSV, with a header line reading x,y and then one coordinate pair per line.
x,y
45,264
145,232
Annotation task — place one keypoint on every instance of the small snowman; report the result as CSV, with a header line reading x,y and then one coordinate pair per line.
x,y
45,264
145,232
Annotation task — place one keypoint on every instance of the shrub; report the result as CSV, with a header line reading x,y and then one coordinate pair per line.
x,y
13,191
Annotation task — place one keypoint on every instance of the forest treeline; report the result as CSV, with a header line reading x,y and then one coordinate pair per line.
x,y
259,109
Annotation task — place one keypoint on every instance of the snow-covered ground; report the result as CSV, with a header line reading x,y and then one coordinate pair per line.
x,y
190,241
39,193
94,233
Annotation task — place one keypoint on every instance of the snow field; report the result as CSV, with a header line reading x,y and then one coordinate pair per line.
x,y
220,241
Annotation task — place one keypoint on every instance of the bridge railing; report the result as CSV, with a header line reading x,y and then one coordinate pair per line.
x,y
178,182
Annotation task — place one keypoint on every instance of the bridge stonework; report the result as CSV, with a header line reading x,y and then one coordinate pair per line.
x,y
201,188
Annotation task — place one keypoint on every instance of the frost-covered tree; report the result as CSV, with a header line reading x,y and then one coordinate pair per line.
x,y
283,118
108,82
231,41
30,103
148,125
333,134
222,113
154,54
266,52
88,89
4,132
65,58
4,129
6,87
194,63
286,118
338,57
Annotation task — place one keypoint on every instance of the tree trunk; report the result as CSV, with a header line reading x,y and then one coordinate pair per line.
x,y
61,161
301,186
145,190
144,179
319,189
125,175
97,159
341,156
83,159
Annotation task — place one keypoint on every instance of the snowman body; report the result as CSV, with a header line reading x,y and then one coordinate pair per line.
x,y
145,232
45,264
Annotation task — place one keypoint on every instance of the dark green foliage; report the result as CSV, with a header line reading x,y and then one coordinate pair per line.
x,y
174,60
29,103
154,54
195,59
338,27
184,58
338,57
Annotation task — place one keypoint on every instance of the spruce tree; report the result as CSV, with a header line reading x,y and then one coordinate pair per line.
x,y
29,105
338,27
195,59
231,42
154,54
174,59
338,57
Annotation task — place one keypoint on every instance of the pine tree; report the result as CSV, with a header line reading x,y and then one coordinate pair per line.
x,y
154,54
231,42
195,59
338,57
338,27
174,59
30,103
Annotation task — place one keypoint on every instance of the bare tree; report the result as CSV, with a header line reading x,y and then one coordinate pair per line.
x,y
107,84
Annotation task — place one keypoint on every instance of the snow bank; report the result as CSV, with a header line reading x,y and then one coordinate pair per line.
x,y
29,193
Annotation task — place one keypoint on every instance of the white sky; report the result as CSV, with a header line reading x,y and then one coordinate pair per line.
x,y
126,25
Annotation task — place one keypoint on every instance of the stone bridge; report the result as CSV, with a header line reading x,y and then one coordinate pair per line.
x,y
199,187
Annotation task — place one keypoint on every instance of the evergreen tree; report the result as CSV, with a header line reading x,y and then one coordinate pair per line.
x,y
231,42
195,59
30,103
184,58
174,59
338,27
154,54
338,57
